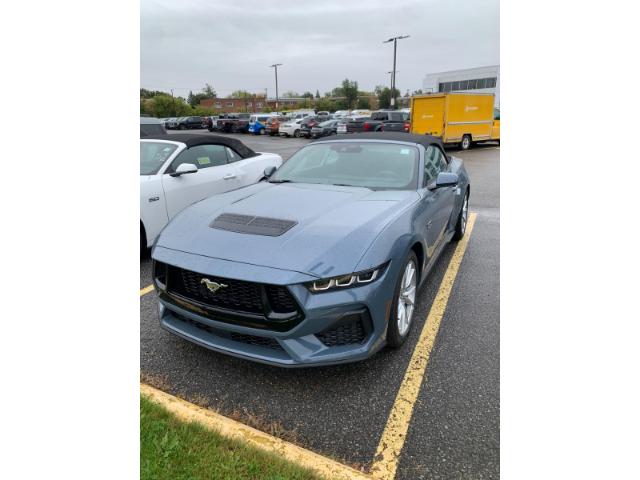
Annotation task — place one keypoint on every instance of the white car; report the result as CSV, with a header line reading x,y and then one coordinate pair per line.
x,y
182,169
340,114
290,128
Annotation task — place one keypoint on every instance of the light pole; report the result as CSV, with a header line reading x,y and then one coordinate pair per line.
x,y
275,66
393,77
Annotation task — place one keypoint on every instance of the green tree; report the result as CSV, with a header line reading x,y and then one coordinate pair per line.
x,y
384,96
364,103
290,94
240,94
166,106
350,92
208,91
317,93
307,95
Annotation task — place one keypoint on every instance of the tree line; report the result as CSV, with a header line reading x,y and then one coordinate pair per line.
x,y
346,96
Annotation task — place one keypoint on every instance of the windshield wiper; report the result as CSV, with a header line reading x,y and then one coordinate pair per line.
x,y
286,180
347,185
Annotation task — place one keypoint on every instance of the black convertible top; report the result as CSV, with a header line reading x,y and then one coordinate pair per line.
x,y
424,140
193,139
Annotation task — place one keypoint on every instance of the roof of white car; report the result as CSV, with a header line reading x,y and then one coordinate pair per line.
x,y
193,139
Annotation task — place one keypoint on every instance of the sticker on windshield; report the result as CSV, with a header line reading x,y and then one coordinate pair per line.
x,y
405,151
204,160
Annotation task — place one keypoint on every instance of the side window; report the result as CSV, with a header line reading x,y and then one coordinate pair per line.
x,y
202,156
434,163
232,156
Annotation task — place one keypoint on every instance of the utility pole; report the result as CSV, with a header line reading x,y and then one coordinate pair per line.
x,y
393,77
275,66
173,104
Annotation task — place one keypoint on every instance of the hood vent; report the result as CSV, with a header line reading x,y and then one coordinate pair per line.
x,y
270,227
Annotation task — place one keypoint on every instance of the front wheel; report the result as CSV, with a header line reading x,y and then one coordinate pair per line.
x,y
296,134
461,225
262,132
401,316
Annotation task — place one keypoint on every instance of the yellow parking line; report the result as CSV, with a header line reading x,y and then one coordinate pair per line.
x,y
146,290
385,462
184,410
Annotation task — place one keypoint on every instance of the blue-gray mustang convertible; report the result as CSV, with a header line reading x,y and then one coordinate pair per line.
x,y
319,263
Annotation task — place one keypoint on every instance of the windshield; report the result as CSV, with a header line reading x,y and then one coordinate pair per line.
x,y
374,165
328,123
153,155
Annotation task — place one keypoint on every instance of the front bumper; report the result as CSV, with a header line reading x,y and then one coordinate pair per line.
x,y
336,327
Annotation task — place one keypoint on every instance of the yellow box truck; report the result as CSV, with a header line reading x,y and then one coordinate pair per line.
x,y
460,118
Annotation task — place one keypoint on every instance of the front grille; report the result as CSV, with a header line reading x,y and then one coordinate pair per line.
x,y
265,342
234,295
346,334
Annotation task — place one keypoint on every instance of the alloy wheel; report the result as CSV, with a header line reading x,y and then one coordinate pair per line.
x,y
407,298
464,214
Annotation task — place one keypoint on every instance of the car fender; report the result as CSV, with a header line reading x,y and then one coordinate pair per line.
x,y
393,242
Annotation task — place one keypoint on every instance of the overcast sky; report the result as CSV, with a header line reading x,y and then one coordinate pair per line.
x,y
230,44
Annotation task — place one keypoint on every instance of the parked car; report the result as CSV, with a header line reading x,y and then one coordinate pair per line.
x,y
171,123
352,124
341,114
189,123
387,121
322,263
151,126
290,128
273,124
180,169
210,123
234,122
298,114
360,113
330,127
307,124
258,123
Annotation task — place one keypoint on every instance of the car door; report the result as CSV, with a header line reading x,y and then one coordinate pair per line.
x,y
215,175
440,201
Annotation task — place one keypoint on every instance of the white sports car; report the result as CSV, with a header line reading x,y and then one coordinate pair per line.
x,y
179,170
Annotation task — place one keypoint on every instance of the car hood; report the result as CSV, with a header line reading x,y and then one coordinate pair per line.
x,y
334,226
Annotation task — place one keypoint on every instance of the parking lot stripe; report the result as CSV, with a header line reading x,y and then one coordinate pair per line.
x,y
146,290
184,410
385,463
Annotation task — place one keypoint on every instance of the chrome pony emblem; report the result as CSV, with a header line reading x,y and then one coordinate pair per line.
x,y
213,287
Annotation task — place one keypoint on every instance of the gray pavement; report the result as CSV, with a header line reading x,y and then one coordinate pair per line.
x,y
341,411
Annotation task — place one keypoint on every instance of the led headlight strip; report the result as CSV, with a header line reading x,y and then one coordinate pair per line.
x,y
346,281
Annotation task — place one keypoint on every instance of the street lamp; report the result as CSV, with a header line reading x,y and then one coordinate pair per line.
x,y
393,77
275,66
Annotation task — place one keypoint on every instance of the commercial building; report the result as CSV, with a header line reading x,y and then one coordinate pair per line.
x,y
470,80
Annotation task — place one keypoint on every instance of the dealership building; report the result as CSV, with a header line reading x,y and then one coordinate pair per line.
x,y
470,80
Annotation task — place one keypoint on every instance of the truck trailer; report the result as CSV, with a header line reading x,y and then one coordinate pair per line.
x,y
457,118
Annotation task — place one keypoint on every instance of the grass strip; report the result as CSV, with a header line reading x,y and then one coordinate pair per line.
x,y
177,450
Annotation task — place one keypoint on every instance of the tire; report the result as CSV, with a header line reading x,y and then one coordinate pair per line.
x,y
261,131
143,240
461,224
296,134
465,143
398,329
182,127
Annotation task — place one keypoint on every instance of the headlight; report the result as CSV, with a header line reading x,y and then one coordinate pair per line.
x,y
346,281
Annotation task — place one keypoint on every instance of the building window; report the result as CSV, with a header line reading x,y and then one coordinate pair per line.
x,y
474,84
229,104
259,104
218,105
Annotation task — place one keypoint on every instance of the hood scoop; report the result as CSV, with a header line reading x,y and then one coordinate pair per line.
x,y
270,227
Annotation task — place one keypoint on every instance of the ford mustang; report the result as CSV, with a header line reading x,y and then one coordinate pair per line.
x,y
320,263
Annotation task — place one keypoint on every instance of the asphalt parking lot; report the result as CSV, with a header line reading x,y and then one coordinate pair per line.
x,y
342,411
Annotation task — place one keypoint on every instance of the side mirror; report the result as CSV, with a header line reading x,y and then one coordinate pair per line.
x,y
269,171
444,179
184,168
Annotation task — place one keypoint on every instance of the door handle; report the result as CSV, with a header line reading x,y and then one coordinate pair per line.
x,y
229,176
